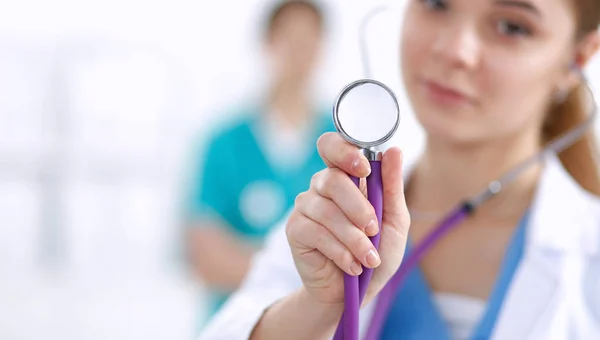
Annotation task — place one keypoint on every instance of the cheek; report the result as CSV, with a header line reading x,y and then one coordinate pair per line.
x,y
412,51
517,95
414,55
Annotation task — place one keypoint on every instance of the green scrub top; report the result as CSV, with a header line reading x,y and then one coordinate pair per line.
x,y
236,182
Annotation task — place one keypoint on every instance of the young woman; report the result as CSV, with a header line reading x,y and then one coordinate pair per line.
x,y
491,82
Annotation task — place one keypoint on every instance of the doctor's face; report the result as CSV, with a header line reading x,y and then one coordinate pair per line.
x,y
483,70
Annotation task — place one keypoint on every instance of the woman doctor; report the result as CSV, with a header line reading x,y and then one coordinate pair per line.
x,y
491,82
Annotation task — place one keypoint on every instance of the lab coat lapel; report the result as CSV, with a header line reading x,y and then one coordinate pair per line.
x,y
553,233
531,296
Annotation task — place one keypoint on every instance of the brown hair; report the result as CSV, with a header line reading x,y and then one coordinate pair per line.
x,y
581,160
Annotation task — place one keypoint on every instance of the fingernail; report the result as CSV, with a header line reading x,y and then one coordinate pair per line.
x,y
367,166
356,268
371,228
373,259
362,167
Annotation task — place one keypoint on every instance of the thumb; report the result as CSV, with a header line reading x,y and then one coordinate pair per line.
x,y
395,211
395,221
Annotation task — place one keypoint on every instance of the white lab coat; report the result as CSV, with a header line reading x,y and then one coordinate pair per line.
x,y
555,293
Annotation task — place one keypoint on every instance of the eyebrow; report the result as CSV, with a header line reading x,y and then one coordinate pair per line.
x,y
519,4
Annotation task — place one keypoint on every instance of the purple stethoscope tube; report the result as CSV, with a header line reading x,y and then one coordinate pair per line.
x,y
355,287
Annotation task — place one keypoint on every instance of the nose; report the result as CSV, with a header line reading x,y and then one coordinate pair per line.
x,y
458,46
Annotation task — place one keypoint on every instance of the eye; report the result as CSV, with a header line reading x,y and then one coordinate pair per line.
x,y
436,5
512,29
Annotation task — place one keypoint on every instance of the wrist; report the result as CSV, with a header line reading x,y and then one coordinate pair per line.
x,y
299,316
325,315
334,309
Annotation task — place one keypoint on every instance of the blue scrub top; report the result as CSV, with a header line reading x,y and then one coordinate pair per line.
x,y
236,183
414,315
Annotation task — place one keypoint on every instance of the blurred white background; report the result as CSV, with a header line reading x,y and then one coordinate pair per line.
x,y
101,103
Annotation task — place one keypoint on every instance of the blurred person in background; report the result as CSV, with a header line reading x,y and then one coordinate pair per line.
x,y
253,169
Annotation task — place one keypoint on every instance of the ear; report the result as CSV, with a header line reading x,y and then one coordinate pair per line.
x,y
587,48
585,51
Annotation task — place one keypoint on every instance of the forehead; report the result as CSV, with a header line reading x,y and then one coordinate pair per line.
x,y
544,8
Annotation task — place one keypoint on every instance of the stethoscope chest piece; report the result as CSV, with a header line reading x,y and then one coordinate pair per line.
x,y
366,113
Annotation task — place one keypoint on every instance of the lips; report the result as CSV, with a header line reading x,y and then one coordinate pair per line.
x,y
445,95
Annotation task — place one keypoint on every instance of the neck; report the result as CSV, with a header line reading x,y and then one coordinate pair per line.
x,y
290,103
449,174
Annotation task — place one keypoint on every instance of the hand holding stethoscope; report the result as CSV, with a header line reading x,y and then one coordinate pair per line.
x,y
327,229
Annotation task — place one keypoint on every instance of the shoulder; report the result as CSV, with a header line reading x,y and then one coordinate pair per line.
x,y
590,220
564,215
231,126
591,271
236,124
595,205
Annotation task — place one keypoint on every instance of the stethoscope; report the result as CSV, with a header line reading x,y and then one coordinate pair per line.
x,y
368,97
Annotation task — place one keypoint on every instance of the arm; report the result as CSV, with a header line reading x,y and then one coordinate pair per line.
x,y
217,257
298,316
214,253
